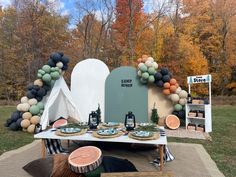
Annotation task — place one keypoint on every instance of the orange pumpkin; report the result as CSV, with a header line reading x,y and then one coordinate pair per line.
x,y
166,85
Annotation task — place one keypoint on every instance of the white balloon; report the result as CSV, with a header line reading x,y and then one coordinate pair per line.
x,y
19,107
25,107
140,65
183,94
155,65
150,59
59,65
139,73
175,98
32,101
148,63
24,99
178,90
183,101
38,82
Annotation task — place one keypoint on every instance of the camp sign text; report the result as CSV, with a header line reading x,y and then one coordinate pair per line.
x,y
126,83
199,79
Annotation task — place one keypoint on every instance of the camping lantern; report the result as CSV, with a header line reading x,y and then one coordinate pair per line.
x,y
38,128
93,120
129,121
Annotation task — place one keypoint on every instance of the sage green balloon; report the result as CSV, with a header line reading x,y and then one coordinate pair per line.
x,y
55,75
143,81
178,107
41,71
145,75
40,105
151,79
34,110
151,70
47,78
41,111
53,69
143,68
39,75
57,69
52,83
46,68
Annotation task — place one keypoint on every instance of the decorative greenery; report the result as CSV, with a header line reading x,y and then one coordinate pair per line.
x,y
75,125
154,116
98,111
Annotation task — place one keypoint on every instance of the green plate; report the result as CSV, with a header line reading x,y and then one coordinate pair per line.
x,y
142,134
70,130
107,132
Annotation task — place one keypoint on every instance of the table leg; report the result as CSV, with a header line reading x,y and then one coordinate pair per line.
x,y
43,150
161,148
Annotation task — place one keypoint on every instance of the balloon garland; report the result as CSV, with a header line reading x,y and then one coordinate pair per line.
x,y
30,108
148,73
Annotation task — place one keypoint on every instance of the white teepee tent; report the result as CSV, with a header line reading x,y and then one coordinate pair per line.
x,y
59,104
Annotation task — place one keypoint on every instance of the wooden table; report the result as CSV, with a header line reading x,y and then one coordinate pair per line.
x,y
49,134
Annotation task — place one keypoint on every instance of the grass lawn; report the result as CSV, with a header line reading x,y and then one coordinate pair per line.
x,y
222,149
11,139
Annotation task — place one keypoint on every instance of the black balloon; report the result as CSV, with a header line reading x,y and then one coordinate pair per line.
x,y
30,95
160,83
15,116
164,71
8,122
18,122
51,63
56,57
61,53
182,114
41,92
38,98
166,78
33,91
13,126
30,86
158,76
46,87
36,87
176,113
64,67
64,60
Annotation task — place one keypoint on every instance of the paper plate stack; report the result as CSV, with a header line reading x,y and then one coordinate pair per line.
x,y
85,159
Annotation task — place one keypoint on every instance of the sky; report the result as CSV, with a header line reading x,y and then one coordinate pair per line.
x,y
67,7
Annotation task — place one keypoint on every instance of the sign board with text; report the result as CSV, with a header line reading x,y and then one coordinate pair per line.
x,y
199,79
123,93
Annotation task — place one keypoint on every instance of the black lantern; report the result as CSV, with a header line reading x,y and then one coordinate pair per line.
x,y
129,121
38,128
93,120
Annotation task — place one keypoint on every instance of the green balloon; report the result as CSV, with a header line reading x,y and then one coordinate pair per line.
x,y
53,69
41,71
41,111
39,75
47,78
46,68
143,68
55,75
151,79
143,81
40,105
178,107
57,69
151,70
145,75
52,83
34,110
